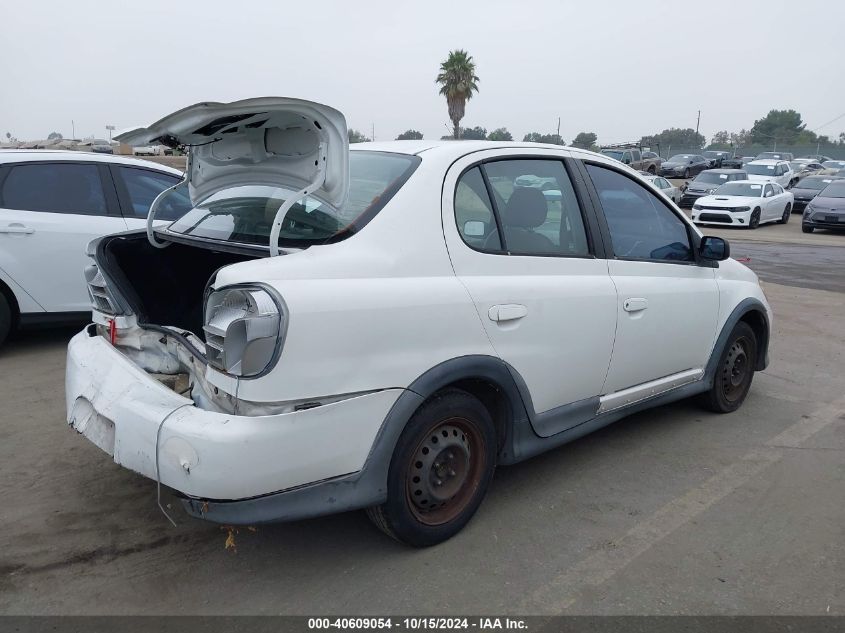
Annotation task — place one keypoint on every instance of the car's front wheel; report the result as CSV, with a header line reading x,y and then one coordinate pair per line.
x,y
807,229
754,222
734,372
440,470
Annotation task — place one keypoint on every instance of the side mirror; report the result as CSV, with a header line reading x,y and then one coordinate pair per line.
x,y
626,160
474,228
714,249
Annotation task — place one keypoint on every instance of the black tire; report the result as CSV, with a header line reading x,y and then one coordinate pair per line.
x,y
686,174
734,372
652,170
807,229
754,222
787,212
5,318
451,442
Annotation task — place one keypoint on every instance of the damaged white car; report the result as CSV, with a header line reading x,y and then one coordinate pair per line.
x,y
332,329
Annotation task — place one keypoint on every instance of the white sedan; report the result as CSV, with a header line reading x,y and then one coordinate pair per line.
x,y
666,187
744,203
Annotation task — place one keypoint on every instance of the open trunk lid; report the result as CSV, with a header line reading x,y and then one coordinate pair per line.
x,y
271,141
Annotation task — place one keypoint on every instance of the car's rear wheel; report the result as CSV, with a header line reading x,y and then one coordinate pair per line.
x,y
754,222
5,318
786,213
652,170
440,471
686,174
734,372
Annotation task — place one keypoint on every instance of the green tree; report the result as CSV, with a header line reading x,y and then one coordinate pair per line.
x,y
476,133
500,134
410,135
356,137
721,138
53,135
585,140
780,126
458,82
536,137
675,137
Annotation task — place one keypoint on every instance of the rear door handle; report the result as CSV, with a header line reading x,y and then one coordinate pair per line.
x,y
16,228
635,304
507,312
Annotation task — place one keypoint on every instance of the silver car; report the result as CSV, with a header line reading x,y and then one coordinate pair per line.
x,y
667,188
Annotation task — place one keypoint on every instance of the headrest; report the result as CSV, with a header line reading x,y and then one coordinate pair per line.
x,y
526,208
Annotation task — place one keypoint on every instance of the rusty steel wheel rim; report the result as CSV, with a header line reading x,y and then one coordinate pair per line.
x,y
735,370
445,471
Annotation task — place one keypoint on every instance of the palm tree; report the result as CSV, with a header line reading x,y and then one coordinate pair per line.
x,y
458,83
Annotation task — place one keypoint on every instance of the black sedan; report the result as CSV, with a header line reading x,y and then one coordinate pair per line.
x,y
807,189
683,166
827,209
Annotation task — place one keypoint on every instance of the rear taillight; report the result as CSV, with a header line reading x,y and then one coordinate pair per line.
x,y
98,291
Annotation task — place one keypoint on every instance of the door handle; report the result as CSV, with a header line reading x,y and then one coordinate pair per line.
x,y
507,312
17,228
635,304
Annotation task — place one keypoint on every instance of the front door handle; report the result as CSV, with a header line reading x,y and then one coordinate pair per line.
x,y
17,228
507,312
635,304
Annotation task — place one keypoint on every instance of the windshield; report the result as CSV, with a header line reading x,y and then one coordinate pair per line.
x,y
834,190
711,177
816,184
834,164
760,170
245,214
680,158
739,189
612,153
713,154
769,155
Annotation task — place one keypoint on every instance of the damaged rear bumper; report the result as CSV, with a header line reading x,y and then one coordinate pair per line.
x,y
230,468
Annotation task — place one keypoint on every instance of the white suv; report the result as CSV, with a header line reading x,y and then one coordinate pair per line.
x,y
52,203
777,171
426,318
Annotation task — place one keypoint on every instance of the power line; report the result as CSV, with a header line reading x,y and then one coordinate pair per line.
x,y
828,123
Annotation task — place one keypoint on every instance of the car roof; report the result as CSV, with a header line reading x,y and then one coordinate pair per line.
x,y
768,161
456,149
723,171
30,155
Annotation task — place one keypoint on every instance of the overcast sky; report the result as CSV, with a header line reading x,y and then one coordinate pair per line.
x,y
621,69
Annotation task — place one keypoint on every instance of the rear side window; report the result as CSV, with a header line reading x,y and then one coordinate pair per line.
x,y
641,225
55,188
474,213
142,187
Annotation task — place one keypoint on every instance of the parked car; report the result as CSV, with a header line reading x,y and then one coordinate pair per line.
x,y
807,189
52,203
634,158
716,158
819,158
744,203
100,146
267,367
666,188
767,170
145,150
833,166
708,181
787,156
683,166
804,168
827,209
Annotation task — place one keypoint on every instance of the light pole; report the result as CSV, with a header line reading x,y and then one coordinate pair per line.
x,y
110,128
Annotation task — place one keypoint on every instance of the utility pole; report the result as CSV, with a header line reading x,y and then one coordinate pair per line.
x,y
373,133
698,121
73,129
558,127
110,128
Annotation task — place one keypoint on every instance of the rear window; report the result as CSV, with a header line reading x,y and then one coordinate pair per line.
x,y
245,214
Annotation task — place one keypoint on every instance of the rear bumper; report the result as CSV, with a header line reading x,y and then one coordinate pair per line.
x,y
208,455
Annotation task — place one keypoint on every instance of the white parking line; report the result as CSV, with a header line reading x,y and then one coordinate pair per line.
x,y
561,592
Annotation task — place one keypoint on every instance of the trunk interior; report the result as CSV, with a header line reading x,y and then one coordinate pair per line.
x,y
163,286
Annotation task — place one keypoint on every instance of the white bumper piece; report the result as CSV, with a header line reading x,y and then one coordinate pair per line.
x,y
207,454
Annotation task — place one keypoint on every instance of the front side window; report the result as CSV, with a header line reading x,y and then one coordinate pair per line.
x,y
55,188
142,187
641,225
245,214
537,206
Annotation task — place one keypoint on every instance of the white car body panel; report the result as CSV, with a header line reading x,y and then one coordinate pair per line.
x,y
44,252
273,141
371,314
784,180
